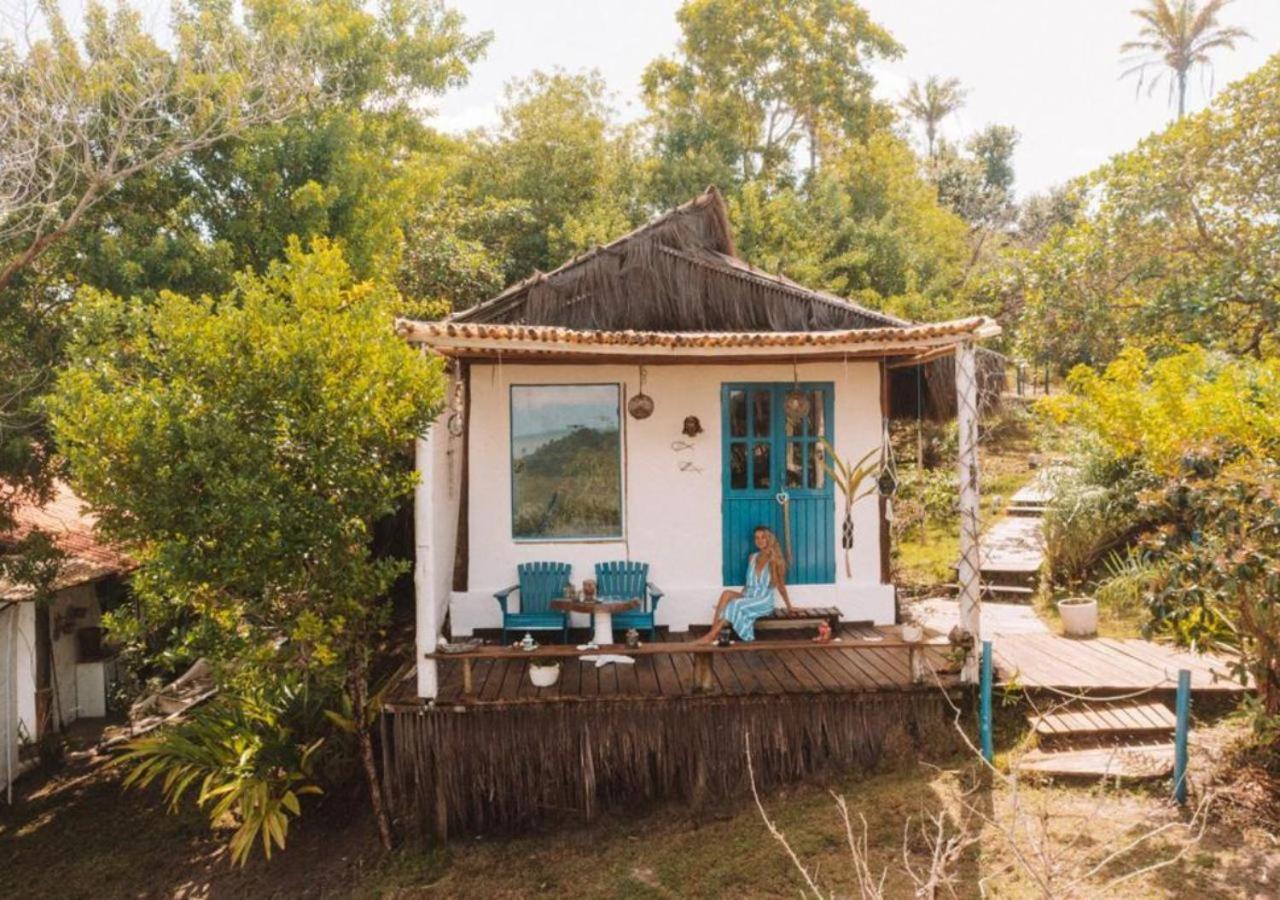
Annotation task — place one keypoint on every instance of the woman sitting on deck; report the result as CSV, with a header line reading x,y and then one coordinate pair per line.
x,y
766,571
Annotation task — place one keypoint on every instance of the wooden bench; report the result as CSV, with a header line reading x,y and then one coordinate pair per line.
x,y
801,617
702,654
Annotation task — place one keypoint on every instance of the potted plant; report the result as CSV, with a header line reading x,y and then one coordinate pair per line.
x,y
544,672
1079,616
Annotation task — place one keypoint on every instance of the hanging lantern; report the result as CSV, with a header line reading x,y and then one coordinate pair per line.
x,y
641,405
796,404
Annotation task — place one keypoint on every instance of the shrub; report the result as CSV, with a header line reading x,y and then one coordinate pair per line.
x,y
1086,519
251,756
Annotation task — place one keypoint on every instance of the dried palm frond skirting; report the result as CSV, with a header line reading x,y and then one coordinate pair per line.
x,y
503,767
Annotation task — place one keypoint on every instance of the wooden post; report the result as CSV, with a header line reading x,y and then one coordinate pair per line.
x,y
427,622
1180,737
984,708
969,568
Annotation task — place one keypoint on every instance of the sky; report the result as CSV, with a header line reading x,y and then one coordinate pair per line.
x,y
1049,68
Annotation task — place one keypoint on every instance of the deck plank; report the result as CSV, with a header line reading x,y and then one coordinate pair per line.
x,y
878,661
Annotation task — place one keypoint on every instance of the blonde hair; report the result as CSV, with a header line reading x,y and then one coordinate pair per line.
x,y
773,555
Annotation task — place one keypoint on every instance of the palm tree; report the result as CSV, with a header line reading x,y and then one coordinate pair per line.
x,y
932,103
1177,35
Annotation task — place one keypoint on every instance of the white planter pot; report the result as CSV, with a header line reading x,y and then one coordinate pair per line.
x,y
1079,616
912,634
544,676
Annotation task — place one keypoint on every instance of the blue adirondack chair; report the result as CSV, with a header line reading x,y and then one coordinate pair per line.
x,y
622,580
540,583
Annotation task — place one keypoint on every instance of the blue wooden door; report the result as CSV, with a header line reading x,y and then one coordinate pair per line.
x,y
768,455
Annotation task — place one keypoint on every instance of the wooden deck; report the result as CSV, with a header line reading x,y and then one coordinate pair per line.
x,y
1106,665
671,676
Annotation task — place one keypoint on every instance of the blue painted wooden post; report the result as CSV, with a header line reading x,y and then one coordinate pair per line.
x,y
984,709
1180,736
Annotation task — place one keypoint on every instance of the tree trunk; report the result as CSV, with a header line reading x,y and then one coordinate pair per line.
x,y
359,682
1182,94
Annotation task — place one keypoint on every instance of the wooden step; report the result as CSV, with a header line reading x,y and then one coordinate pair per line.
x,y
1008,591
1099,718
1130,762
1025,511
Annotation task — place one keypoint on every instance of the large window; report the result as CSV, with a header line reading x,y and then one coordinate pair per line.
x,y
566,461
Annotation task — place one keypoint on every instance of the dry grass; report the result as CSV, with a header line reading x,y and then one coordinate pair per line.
x,y
86,839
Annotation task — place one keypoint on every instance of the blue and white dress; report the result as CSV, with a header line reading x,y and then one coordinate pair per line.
x,y
757,600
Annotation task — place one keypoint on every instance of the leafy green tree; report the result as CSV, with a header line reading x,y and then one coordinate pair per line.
x,y
558,154
83,115
932,102
280,118
242,448
1175,242
1177,35
866,226
752,81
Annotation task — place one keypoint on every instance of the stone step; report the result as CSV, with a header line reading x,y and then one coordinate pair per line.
x,y
1128,762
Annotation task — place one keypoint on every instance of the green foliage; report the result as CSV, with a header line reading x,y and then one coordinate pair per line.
x,y
1084,521
751,81
1162,411
250,756
1177,35
558,154
1128,581
1175,242
1187,446
866,226
243,447
931,102
1222,585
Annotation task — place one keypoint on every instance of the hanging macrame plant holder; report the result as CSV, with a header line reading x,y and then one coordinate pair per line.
x,y
855,481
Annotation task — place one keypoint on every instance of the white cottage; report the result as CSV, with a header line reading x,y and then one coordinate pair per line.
x,y
653,400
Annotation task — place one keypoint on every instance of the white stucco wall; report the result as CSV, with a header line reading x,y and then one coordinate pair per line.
x,y
672,517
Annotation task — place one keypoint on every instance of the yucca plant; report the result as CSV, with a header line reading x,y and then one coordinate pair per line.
x,y
249,756
850,478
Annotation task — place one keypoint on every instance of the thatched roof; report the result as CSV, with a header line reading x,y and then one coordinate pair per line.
x,y
678,273
675,289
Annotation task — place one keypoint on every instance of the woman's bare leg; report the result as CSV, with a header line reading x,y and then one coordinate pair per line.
x,y
717,620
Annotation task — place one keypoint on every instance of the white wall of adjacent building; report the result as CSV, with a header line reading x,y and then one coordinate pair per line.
x,y
671,497
81,686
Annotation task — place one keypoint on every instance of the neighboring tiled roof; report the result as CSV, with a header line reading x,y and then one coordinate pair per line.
x,y
73,530
465,338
